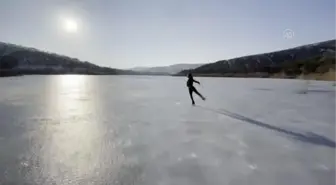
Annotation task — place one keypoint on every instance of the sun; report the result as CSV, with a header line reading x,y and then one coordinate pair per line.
x,y
70,25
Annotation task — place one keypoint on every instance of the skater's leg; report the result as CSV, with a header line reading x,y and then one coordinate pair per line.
x,y
191,96
199,94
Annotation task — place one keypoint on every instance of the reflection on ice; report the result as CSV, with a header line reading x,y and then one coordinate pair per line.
x,y
73,145
74,149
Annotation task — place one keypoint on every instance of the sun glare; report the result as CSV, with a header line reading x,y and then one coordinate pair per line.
x,y
70,26
71,80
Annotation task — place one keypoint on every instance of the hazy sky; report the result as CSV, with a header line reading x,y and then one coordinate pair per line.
x,y
128,33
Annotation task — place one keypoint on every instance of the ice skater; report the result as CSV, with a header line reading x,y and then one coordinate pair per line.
x,y
192,88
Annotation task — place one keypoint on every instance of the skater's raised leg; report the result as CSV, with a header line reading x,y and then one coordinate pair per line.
x,y
199,94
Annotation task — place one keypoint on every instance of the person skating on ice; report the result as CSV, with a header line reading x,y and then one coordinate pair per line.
x,y
192,88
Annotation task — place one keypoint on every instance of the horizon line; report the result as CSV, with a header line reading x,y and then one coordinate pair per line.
x,y
129,68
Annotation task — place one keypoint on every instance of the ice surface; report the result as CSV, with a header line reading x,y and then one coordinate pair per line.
x,y
143,130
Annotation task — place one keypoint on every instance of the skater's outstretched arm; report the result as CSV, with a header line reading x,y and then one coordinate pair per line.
x,y
196,81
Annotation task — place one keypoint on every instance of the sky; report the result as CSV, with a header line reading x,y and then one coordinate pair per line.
x,y
129,33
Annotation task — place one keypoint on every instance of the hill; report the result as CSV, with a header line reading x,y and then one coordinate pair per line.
x,y
168,70
313,59
19,60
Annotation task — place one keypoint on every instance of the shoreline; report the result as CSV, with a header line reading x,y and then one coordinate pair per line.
x,y
328,76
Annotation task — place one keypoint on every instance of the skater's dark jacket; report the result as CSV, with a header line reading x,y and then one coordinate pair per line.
x,y
191,81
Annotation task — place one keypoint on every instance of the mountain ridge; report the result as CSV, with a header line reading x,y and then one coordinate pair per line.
x,y
170,69
21,60
317,57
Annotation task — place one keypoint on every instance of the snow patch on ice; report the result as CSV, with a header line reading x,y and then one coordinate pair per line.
x,y
323,167
193,155
243,144
24,164
252,166
241,153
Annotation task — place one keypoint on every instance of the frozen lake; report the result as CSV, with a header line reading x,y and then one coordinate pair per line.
x,y
143,130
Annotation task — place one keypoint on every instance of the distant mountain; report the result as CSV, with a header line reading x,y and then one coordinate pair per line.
x,y
15,59
311,58
172,69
